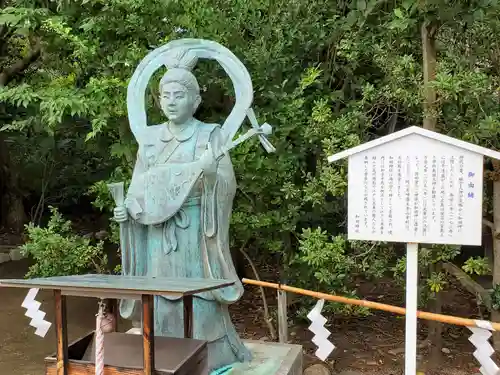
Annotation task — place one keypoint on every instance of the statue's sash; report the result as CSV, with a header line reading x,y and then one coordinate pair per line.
x,y
161,191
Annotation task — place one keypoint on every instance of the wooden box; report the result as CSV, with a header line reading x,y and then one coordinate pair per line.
x,y
126,353
123,354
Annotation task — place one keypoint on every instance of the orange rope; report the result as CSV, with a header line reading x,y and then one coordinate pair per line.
x,y
371,305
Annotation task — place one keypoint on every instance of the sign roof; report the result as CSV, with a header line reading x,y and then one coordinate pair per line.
x,y
422,132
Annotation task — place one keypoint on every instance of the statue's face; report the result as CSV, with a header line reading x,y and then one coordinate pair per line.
x,y
177,102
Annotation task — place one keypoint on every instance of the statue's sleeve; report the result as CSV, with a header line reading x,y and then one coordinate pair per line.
x,y
218,195
132,241
134,200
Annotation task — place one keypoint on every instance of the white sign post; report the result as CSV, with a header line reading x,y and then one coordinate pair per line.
x,y
415,186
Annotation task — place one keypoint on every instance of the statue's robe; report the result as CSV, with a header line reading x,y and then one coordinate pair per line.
x,y
178,227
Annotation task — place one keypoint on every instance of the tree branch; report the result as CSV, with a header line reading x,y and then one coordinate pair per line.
x,y
482,295
5,35
267,316
20,66
489,224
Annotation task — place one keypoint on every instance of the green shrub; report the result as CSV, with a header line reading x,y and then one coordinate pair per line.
x,y
58,251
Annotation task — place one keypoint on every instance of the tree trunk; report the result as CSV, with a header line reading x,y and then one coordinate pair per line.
x,y
435,336
495,314
429,57
13,215
429,65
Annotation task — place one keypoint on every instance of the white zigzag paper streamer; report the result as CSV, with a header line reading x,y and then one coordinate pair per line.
x,y
33,312
320,339
484,350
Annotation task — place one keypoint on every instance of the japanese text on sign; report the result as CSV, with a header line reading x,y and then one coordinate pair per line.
x,y
430,194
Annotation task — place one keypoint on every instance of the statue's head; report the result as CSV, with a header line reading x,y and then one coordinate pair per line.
x,y
179,89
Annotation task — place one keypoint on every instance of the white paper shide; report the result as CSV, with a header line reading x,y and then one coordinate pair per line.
x,y
320,338
480,339
33,311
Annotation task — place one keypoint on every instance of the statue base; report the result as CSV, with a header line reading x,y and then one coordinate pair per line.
x,y
269,358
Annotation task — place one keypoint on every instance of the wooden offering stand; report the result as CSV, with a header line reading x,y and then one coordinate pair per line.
x,y
160,355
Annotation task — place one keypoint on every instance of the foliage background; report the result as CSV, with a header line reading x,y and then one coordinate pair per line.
x,y
328,75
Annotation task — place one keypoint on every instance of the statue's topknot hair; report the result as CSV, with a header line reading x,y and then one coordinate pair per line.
x,y
186,60
179,67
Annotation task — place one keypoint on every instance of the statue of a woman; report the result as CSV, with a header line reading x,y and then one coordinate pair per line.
x,y
176,216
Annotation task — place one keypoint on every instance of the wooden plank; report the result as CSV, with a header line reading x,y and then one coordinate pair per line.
x,y
83,368
114,311
468,283
282,317
172,355
61,333
103,285
187,302
104,294
7,248
198,365
148,334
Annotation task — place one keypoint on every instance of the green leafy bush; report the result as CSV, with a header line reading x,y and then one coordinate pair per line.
x,y
477,265
495,297
57,251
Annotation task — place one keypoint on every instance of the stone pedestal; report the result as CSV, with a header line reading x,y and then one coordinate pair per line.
x,y
271,358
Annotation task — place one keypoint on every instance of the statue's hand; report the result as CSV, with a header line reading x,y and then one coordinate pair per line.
x,y
208,161
120,214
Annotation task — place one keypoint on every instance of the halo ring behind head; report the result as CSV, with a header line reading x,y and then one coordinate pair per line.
x,y
187,52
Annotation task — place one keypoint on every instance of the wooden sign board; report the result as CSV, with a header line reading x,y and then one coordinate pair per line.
x,y
416,186
416,189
